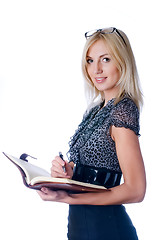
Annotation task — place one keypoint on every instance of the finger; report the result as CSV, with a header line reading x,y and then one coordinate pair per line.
x,y
58,172
47,195
69,169
57,168
45,190
60,175
42,195
58,161
57,165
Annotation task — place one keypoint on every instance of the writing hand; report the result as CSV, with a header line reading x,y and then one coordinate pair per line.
x,y
57,168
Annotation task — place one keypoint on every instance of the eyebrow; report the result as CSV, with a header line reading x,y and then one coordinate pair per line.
x,y
100,56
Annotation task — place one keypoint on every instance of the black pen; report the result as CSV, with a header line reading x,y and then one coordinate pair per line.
x,y
61,156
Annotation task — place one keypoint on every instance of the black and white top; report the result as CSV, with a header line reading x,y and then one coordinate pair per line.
x,y
92,144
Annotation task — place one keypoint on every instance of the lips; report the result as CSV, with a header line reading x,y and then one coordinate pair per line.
x,y
100,79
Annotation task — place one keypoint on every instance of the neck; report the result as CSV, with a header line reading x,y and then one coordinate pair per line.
x,y
110,95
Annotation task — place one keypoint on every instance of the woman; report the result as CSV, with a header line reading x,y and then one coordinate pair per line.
x,y
106,144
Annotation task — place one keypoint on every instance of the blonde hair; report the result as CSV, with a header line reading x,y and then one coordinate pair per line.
x,y
124,59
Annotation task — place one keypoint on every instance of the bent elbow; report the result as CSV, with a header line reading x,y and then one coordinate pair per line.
x,y
140,197
136,193
140,194
136,197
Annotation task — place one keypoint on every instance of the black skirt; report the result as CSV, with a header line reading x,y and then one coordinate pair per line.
x,y
87,222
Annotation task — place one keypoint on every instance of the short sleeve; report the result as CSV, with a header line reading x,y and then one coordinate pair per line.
x,y
126,114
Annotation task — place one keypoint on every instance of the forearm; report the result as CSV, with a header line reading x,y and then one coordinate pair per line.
x,y
118,195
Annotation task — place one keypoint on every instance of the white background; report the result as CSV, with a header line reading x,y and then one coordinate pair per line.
x,y
42,101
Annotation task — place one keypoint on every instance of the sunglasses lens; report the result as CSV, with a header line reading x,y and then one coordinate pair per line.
x,y
90,33
104,31
108,30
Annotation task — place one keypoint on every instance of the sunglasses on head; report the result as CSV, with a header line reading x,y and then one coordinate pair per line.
x,y
104,31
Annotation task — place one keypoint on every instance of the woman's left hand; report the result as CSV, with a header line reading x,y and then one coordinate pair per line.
x,y
56,196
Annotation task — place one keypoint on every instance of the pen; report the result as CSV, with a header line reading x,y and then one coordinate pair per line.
x,y
61,156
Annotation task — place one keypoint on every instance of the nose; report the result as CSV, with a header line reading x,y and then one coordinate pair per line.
x,y
98,68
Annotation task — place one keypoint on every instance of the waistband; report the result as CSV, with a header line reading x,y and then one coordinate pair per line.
x,y
98,176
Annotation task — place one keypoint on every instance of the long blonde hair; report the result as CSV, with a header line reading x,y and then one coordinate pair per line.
x,y
123,56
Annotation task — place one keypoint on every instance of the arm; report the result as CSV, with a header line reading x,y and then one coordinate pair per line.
x,y
131,163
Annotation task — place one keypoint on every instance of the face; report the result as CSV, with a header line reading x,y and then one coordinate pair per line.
x,y
102,69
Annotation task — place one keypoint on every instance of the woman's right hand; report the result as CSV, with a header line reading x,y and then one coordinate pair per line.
x,y
57,168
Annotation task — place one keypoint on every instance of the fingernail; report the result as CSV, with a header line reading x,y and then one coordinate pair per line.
x,y
43,189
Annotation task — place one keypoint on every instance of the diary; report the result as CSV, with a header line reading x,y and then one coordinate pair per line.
x,y
35,177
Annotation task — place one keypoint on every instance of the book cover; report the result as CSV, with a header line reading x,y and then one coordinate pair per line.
x,y
35,177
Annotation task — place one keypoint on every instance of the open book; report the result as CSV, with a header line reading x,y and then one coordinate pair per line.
x,y
35,177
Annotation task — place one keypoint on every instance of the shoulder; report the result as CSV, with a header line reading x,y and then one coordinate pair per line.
x,y
126,114
125,108
126,105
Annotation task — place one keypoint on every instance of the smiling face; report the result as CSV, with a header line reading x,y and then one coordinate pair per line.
x,y
102,69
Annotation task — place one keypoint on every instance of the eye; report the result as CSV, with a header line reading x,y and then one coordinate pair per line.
x,y
106,59
89,60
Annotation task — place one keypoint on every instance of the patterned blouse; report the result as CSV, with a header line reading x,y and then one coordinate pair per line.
x,y
92,144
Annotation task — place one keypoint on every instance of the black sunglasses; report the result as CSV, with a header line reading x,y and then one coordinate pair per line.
x,y
104,31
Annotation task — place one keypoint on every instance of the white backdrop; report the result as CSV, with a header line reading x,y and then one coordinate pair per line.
x,y
42,101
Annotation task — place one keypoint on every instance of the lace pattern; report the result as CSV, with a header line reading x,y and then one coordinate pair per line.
x,y
92,144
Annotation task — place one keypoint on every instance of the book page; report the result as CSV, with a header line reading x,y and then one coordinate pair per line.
x,y
30,170
36,175
64,180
